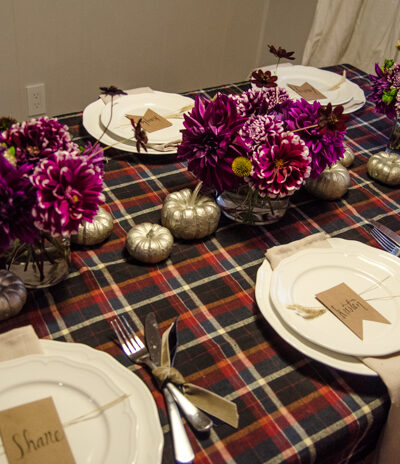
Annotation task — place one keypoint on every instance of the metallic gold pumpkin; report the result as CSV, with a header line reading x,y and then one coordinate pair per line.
x,y
332,184
12,294
385,167
348,157
189,215
92,233
149,243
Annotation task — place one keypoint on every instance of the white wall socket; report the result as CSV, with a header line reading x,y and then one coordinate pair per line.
x,y
36,99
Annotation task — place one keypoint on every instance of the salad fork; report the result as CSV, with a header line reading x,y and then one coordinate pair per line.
x,y
384,241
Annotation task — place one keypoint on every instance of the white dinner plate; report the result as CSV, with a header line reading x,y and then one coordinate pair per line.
x,y
319,78
91,122
114,114
372,273
128,432
330,358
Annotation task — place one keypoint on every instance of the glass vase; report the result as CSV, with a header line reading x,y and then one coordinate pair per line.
x,y
42,264
393,145
247,207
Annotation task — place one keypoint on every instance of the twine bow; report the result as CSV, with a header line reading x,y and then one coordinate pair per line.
x,y
209,402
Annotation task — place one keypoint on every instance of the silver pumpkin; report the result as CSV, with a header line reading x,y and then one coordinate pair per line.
x,y
385,167
12,294
332,184
189,215
149,243
92,233
348,157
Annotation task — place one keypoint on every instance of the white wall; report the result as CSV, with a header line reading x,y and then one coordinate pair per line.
x,y
76,46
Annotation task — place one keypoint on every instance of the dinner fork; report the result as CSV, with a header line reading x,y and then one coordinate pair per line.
x,y
384,241
137,352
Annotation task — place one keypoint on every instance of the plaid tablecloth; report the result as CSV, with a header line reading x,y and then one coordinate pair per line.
x,y
292,409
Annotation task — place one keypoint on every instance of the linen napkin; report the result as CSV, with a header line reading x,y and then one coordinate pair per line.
x,y
164,147
387,367
19,342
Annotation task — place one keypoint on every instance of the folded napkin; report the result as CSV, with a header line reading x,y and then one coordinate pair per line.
x,y
19,342
209,402
164,147
387,367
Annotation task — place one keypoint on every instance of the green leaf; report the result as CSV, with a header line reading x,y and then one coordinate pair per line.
x,y
388,64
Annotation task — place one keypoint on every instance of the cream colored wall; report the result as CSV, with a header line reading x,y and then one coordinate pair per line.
x,y
76,46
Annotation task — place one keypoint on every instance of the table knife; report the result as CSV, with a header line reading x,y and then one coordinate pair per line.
x,y
183,450
393,236
197,419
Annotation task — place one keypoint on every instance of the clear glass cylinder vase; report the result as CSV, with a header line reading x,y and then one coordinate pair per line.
x,y
42,264
393,145
248,207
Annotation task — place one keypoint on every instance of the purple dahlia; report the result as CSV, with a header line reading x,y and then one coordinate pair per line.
x,y
257,129
69,191
209,141
36,139
280,165
17,199
381,89
325,148
260,101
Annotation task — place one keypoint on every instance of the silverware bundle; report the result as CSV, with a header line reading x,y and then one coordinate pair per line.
x,y
387,239
150,357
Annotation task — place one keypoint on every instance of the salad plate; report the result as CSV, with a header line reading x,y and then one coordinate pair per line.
x,y
371,273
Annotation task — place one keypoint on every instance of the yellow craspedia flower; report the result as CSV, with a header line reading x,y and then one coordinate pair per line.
x,y
398,45
241,166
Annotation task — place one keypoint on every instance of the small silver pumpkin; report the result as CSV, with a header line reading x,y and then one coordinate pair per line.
x,y
348,157
332,184
92,233
12,294
149,243
385,167
189,215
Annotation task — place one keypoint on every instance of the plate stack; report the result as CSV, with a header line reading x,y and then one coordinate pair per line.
x,y
108,119
372,273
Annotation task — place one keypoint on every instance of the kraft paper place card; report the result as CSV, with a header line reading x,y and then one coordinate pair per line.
x,y
350,308
307,91
32,433
151,121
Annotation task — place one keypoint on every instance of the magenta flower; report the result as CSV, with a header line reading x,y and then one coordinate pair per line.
x,y
36,139
17,199
382,92
260,101
209,141
69,191
94,154
258,129
327,148
280,165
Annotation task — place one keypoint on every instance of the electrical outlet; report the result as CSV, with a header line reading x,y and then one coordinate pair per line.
x,y
36,99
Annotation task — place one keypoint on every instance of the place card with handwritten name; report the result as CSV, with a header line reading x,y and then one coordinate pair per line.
x,y
151,121
307,91
32,433
350,308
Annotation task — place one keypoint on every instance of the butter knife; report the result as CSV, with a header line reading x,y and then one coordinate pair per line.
x,y
393,236
183,450
197,419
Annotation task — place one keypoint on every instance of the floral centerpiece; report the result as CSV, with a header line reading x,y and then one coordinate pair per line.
x,y
386,96
260,146
48,187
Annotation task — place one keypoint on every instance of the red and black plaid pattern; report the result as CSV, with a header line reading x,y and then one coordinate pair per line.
x,y
292,409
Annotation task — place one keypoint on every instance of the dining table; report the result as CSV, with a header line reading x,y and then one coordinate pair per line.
x,y
292,407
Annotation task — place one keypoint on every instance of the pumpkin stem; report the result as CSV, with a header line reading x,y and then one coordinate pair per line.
x,y
193,197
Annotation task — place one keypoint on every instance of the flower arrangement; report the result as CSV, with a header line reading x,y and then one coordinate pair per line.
x,y
48,184
261,140
385,89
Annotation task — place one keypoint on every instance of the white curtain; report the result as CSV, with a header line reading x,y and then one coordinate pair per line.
x,y
357,32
